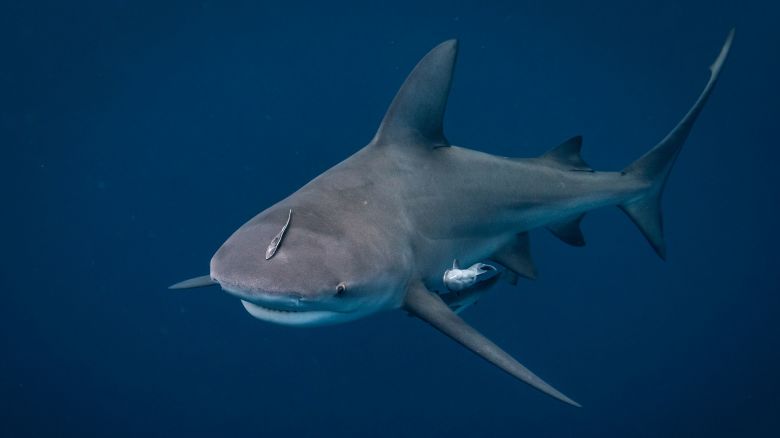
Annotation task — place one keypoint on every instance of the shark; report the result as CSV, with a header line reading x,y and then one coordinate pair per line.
x,y
377,231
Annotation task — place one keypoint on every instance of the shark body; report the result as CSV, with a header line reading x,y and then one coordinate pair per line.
x,y
377,231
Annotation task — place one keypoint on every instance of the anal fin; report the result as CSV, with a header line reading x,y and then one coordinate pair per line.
x,y
516,256
569,231
430,308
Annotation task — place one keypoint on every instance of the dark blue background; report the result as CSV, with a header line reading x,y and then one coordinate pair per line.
x,y
137,136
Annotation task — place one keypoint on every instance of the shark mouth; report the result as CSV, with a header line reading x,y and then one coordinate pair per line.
x,y
283,310
299,318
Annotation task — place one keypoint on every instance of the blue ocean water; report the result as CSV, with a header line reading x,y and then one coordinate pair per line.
x,y
138,135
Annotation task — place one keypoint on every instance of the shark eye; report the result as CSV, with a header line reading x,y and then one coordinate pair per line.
x,y
341,288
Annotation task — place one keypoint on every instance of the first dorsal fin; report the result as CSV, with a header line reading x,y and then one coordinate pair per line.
x,y
516,256
567,154
417,112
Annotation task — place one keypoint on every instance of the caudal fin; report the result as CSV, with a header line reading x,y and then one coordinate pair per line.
x,y
654,166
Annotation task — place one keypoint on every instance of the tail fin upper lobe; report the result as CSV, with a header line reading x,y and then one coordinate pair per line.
x,y
654,167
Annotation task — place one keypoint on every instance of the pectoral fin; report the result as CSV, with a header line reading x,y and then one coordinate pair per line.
x,y
430,308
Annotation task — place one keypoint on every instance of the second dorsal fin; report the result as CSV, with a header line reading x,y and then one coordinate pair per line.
x,y
416,114
567,154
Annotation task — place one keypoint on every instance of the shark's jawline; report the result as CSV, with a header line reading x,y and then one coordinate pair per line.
x,y
390,219
306,318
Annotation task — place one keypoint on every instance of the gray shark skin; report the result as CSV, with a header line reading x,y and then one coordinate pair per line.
x,y
377,231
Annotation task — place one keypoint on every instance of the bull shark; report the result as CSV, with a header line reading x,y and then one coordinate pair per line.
x,y
377,231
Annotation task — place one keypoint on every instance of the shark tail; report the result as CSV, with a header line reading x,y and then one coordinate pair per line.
x,y
652,169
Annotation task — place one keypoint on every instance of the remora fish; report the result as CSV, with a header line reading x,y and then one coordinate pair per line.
x,y
376,231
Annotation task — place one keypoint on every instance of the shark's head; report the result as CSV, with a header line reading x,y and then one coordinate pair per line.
x,y
312,272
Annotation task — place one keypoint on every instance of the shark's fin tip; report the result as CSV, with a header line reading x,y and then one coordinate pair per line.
x,y
724,52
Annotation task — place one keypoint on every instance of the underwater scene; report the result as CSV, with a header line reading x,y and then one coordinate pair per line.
x,y
390,219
